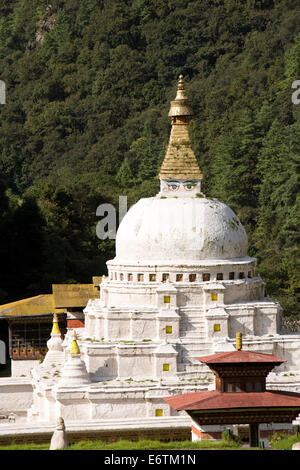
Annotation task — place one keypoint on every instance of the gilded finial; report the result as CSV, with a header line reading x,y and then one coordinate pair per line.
x,y
55,327
181,106
238,341
181,95
74,347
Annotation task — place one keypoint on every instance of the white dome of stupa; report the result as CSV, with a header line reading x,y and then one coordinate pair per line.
x,y
180,229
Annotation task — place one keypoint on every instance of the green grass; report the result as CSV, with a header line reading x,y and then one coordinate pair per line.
x,y
25,447
286,443
129,445
151,445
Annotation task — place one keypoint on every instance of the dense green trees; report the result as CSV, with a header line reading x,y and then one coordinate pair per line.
x,y
88,90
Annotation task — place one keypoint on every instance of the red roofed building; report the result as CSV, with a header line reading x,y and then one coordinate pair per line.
x,y
240,396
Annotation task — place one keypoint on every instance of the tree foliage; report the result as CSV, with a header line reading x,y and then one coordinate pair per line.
x,y
88,90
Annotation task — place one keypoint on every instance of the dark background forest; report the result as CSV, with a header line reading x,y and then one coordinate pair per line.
x,y
88,86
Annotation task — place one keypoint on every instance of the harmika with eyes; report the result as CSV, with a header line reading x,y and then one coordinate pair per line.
x,y
187,185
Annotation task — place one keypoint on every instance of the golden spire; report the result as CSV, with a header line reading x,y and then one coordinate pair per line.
x,y
74,346
180,161
55,327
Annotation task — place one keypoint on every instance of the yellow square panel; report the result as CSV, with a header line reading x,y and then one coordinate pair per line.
x,y
166,367
169,329
214,296
158,412
217,327
166,299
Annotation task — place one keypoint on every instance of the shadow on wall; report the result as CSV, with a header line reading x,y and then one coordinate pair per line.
x,y
108,371
292,357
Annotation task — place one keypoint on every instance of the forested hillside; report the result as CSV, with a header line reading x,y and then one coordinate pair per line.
x,y
88,86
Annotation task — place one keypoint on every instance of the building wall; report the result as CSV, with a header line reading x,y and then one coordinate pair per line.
x,y
15,394
82,404
21,368
138,294
200,432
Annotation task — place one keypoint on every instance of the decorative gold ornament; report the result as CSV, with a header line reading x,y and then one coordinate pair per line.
x,y
55,327
74,346
239,341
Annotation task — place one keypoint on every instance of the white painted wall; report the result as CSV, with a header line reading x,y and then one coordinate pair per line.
x,y
15,394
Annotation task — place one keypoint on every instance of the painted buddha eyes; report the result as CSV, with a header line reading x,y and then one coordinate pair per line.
x,y
188,185
175,185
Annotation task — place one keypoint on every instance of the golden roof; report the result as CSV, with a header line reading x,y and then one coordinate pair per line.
x,y
73,295
38,305
180,161
64,296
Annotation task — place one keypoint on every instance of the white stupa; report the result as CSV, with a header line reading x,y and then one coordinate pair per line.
x,y
74,373
180,286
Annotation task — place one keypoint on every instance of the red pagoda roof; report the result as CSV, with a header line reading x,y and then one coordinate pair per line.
x,y
214,400
240,407
235,357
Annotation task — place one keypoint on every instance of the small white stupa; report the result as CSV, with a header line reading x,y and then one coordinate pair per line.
x,y
55,353
59,439
74,371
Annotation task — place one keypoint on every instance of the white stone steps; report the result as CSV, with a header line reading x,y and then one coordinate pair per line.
x,y
189,327
193,332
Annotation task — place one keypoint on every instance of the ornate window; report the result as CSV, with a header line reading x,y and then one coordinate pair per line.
x,y
231,275
130,277
206,277
140,277
152,277
192,277
28,339
165,277
219,276
179,277
258,387
249,386
232,387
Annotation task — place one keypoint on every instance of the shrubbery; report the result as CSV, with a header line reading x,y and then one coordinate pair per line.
x,y
88,91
